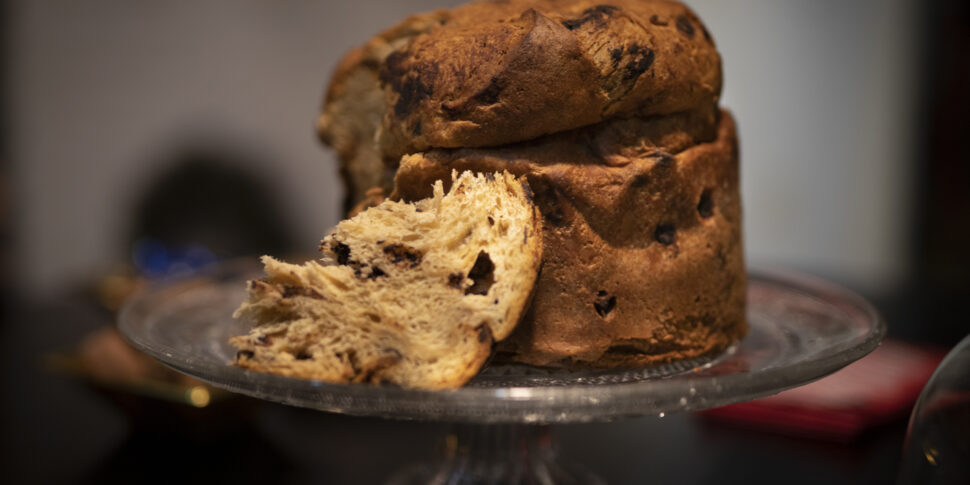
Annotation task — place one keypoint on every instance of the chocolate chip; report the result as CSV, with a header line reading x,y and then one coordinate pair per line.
x,y
245,354
599,12
665,234
303,355
705,207
482,275
573,24
604,303
376,272
342,251
412,82
616,55
685,26
399,253
642,60
491,221
455,280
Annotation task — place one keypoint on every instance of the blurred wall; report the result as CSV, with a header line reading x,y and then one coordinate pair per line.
x,y
825,95
103,91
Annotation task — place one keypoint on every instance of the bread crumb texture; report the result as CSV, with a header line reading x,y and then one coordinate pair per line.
x,y
413,294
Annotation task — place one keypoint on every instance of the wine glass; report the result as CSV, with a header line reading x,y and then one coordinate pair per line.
x,y
937,447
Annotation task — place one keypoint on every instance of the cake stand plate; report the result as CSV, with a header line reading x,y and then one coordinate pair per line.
x,y
801,329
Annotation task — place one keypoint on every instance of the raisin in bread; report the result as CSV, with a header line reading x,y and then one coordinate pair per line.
x,y
409,293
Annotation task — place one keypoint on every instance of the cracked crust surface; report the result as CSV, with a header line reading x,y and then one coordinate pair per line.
x,y
642,258
492,73
496,72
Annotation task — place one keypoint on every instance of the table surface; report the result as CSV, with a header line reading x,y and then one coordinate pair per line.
x,y
57,430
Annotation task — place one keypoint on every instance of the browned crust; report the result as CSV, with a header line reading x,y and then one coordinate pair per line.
x,y
499,72
344,123
637,232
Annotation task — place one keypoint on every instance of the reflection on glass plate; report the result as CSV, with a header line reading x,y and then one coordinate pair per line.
x,y
801,329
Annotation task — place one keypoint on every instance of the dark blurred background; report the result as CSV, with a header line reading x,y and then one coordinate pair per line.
x,y
138,140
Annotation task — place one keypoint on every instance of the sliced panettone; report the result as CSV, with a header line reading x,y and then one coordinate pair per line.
x,y
408,293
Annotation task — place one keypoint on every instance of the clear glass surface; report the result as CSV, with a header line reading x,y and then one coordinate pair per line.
x,y
801,329
937,449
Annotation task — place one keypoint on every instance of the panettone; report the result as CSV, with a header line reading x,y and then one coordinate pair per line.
x,y
610,111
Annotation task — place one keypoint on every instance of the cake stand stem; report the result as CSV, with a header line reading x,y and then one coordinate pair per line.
x,y
496,454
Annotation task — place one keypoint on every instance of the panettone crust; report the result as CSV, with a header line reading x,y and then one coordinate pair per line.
x,y
642,257
492,73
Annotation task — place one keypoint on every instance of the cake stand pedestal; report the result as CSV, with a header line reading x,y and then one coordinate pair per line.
x,y
499,454
800,329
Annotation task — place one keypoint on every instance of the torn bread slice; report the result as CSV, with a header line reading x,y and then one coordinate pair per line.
x,y
408,293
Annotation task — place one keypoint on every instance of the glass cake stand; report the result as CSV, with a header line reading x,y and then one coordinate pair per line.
x,y
800,329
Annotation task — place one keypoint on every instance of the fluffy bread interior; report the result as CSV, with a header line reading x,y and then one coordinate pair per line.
x,y
408,293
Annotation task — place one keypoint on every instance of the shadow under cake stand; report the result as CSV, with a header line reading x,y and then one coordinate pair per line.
x,y
801,329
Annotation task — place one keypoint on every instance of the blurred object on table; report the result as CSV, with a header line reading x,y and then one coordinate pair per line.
x,y
937,448
203,208
151,395
877,389
115,287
